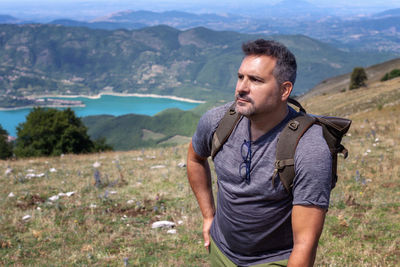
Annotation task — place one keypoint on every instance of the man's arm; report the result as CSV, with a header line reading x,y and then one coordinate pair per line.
x,y
199,176
307,224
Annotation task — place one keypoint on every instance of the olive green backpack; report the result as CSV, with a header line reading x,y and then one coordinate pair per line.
x,y
333,130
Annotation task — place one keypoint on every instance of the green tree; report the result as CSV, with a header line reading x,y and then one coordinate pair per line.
x,y
5,146
51,132
358,78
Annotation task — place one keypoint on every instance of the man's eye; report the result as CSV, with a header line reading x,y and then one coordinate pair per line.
x,y
254,79
240,76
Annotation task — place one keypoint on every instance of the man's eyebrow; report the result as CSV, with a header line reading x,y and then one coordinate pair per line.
x,y
255,77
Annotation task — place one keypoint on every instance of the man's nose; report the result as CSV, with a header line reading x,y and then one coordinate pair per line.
x,y
243,85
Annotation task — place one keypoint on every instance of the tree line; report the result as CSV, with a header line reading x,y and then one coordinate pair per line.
x,y
50,132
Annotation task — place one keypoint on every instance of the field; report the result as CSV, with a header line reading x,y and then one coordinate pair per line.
x,y
111,199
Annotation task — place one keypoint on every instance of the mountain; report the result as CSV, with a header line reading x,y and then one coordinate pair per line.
x,y
197,63
8,19
376,33
177,19
388,13
98,25
172,126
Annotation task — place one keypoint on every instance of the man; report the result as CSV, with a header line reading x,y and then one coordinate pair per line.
x,y
256,221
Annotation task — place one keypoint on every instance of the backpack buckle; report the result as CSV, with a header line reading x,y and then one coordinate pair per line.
x,y
293,125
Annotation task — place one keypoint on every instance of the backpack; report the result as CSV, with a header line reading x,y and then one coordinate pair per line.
x,y
333,130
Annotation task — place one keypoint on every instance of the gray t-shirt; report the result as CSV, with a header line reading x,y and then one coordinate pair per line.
x,y
252,224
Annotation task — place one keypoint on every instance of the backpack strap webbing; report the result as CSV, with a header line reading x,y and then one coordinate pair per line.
x,y
286,148
224,129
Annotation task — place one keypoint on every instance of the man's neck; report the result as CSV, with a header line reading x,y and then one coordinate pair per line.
x,y
260,124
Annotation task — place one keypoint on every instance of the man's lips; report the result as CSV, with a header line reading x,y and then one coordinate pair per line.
x,y
245,99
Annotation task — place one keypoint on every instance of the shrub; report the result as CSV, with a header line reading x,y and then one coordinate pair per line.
x,y
51,132
390,75
5,146
358,78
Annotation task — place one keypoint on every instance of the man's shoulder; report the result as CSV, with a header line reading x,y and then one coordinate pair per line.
x,y
219,110
215,114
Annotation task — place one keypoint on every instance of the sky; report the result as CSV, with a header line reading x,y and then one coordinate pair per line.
x,y
90,9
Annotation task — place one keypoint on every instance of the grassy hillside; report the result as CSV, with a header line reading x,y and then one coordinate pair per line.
x,y
172,126
108,223
341,83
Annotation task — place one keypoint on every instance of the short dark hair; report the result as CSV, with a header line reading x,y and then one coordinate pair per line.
x,y
286,66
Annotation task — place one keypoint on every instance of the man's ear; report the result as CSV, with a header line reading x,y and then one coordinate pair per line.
x,y
286,88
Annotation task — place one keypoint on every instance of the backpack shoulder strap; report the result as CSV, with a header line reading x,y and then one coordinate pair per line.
x,y
224,129
286,148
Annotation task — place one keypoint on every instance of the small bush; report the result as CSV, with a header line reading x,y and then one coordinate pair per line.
x,y
390,75
358,78
5,146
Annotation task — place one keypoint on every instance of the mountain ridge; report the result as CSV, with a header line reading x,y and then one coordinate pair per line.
x,y
52,59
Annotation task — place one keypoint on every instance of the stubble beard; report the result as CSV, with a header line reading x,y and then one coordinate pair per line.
x,y
246,109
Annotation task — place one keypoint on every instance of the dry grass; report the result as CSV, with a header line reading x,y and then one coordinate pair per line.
x,y
98,226
363,223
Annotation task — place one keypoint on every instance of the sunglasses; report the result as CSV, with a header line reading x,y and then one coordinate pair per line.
x,y
244,168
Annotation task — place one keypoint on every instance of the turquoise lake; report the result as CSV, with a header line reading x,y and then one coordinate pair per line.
x,y
106,104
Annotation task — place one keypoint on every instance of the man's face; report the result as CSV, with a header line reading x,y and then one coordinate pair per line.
x,y
257,91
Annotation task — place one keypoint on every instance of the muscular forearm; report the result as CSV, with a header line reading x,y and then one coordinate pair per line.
x,y
302,256
307,224
199,177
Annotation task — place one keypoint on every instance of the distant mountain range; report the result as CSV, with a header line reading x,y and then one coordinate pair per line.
x,y
377,32
197,63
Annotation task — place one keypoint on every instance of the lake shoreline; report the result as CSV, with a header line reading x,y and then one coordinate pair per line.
x,y
99,96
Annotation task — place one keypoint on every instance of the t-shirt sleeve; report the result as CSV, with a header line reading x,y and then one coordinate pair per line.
x,y
202,138
313,168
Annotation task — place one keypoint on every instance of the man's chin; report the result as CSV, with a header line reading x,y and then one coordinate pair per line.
x,y
242,110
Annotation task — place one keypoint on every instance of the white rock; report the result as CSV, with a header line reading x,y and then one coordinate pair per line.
x,y
8,171
54,198
180,222
157,167
40,175
53,170
70,193
11,194
26,217
61,194
377,139
30,170
30,175
368,150
171,231
38,208
139,159
92,206
130,201
182,165
96,164
112,192
163,224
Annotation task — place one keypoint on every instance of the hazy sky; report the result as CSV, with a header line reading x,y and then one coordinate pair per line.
x,y
86,9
